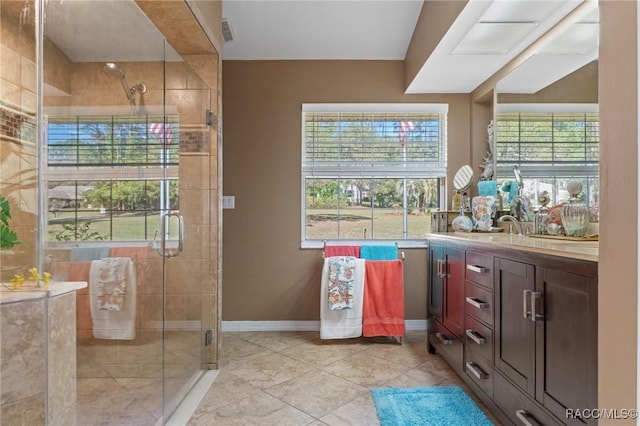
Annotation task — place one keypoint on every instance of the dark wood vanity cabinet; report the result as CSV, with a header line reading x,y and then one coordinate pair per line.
x,y
515,332
546,337
530,324
446,302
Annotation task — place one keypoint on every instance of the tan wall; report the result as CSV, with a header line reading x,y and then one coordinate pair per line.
x,y
618,278
266,274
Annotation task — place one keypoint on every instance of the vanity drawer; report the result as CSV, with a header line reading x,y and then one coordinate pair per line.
x,y
447,344
480,371
519,408
478,338
479,269
479,303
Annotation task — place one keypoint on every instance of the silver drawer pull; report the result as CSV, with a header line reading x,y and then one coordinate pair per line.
x,y
476,370
526,418
478,269
475,336
443,339
477,303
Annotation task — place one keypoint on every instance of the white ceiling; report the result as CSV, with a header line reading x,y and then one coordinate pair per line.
x,y
485,36
306,29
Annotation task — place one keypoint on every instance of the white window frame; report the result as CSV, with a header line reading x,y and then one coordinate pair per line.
x,y
392,108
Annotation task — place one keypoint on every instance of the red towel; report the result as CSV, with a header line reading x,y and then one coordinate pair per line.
x,y
383,308
330,251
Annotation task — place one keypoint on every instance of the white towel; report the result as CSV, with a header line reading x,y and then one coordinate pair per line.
x,y
113,320
343,323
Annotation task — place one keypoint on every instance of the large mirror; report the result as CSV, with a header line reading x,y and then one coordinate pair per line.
x,y
546,116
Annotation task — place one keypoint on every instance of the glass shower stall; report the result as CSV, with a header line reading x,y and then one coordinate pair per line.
x,y
109,163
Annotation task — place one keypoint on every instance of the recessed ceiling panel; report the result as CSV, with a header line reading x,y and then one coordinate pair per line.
x,y
494,38
521,10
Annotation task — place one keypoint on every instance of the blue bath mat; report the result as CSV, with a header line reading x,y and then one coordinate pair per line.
x,y
428,406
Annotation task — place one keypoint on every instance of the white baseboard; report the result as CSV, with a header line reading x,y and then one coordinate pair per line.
x,y
410,325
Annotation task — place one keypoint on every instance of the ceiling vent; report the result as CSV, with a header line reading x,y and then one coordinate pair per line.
x,y
227,33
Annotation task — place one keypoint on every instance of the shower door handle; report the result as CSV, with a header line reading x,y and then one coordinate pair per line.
x,y
163,240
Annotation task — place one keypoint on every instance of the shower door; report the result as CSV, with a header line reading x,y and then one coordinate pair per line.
x,y
126,173
187,251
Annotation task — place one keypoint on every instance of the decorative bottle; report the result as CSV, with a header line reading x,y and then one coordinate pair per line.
x,y
541,218
575,214
456,201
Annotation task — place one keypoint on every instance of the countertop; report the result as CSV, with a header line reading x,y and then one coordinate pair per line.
x,y
30,291
584,250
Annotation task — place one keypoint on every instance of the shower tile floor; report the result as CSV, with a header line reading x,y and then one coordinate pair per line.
x,y
294,378
120,383
279,378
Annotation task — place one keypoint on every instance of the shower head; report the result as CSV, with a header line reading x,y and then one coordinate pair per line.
x,y
115,71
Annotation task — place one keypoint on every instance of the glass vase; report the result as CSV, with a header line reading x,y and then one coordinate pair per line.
x,y
575,218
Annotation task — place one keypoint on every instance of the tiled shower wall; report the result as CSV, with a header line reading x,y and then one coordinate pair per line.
x,y
18,163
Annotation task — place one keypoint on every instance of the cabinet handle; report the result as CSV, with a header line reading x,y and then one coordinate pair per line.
x,y
478,269
475,336
476,370
526,418
439,272
525,304
443,339
535,316
477,303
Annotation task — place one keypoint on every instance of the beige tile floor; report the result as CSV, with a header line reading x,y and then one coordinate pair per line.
x,y
294,378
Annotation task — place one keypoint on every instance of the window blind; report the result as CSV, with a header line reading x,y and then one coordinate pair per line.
x,y
374,144
567,143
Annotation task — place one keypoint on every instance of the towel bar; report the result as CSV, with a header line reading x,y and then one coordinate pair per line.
x,y
324,245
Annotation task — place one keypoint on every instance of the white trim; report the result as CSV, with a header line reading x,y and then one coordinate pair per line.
x,y
547,108
190,403
231,326
368,107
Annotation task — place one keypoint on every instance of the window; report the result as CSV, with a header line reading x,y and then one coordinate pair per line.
x,y
106,176
551,148
371,171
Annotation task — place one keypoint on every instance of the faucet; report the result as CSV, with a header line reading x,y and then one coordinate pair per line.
x,y
511,219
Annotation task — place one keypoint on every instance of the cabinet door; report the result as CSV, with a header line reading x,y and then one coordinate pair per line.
x,y
514,332
453,315
436,281
566,341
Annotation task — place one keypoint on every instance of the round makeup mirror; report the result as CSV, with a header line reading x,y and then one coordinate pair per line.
x,y
463,178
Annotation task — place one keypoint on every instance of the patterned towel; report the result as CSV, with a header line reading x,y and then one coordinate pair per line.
x,y
341,279
112,283
113,315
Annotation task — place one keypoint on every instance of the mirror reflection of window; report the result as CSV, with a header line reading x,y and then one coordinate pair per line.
x,y
552,144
